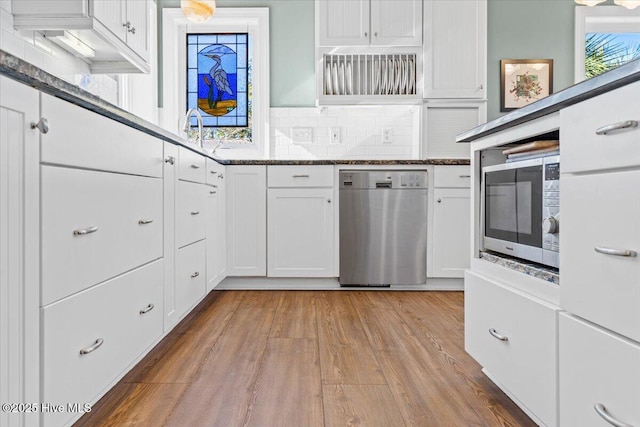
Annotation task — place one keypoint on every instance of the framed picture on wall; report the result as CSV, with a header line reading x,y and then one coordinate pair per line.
x,y
523,81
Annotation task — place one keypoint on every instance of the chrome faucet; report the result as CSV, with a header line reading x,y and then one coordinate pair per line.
x,y
187,123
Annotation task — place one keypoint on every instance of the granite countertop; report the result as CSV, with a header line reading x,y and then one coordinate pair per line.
x,y
33,76
547,274
618,77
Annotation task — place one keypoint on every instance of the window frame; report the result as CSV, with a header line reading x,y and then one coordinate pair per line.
x,y
600,19
254,21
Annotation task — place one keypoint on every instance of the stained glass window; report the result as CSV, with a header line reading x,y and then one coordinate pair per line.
x,y
218,79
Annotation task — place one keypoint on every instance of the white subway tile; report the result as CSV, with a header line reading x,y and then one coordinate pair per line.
x,y
376,150
308,122
337,152
5,5
6,20
322,138
288,122
33,55
12,44
355,131
280,112
337,112
356,112
328,122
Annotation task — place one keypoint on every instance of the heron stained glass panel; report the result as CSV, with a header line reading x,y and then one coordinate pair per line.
x,y
217,77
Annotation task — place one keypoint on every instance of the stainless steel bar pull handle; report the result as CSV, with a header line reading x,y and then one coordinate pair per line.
x,y
195,213
145,221
93,347
627,124
147,309
465,176
616,252
42,125
496,335
83,231
194,275
301,176
212,192
195,167
602,411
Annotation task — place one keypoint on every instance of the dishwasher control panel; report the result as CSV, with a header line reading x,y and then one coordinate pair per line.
x,y
381,179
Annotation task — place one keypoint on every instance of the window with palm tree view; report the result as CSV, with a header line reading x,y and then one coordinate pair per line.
x,y
606,51
219,85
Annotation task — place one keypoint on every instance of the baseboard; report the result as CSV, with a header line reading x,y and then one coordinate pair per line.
x,y
329,283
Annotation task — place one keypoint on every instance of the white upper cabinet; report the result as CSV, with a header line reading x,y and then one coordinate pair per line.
x,y
455,40
369,22
117,31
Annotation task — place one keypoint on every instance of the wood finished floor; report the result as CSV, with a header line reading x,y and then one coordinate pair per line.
x,y
311,358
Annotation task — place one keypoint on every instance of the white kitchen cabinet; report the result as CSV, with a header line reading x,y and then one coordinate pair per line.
x,y
455,43
191,279
597,367
19,250
451,232
191,202
300,232
118,31
601,213
246,220
191,166
369,22
90,338
215,225
514,337
443,121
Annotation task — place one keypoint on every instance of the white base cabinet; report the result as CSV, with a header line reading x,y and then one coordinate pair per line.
x,y
599,376
514,337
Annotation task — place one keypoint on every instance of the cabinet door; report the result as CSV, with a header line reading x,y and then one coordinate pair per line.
x,y
19,250
211,241
246,224
170,183
455,37
597,367
602,211
138,33
343,23
443,121
112,15
396,22
300,227
451,232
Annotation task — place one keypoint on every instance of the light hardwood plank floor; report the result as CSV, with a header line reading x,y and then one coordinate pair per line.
x,y
312,358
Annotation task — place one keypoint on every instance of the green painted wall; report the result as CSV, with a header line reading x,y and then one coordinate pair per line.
x,y
292,53
516,29
520,29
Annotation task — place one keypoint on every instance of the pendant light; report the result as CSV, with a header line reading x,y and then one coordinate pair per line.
x,y
198,10
629,4
590,3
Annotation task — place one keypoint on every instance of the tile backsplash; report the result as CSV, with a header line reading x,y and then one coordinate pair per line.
x,y
32,47
360,129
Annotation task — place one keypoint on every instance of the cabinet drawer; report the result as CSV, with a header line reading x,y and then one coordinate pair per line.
x,y
190,276
110,312
190,213
125,212
79,137
452,176
300,176
191,166
525,362
602,288
215,172
597,367
583,149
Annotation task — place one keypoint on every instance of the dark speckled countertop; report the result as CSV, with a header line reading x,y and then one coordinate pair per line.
x,y
33,76
618,77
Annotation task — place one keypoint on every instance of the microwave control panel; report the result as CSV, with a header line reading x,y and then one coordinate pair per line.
x,y
551,205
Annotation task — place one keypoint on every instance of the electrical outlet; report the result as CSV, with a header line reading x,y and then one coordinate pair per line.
x,y
387,135
302,135
334,135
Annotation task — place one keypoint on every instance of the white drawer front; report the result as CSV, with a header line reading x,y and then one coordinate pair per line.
x,y
300,176
120,206
526,362
602,211
109,312
584,150
215,172
190,276
79,137
190,213
452,176
192,166
597,367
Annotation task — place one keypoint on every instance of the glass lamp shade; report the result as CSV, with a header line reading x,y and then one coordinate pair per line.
x,y
590,3
629,4
198,10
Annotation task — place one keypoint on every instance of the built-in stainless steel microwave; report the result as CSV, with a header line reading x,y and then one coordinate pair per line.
x,y
521,209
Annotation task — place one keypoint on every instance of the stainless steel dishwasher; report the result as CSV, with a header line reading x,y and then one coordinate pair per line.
x,y
383,227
